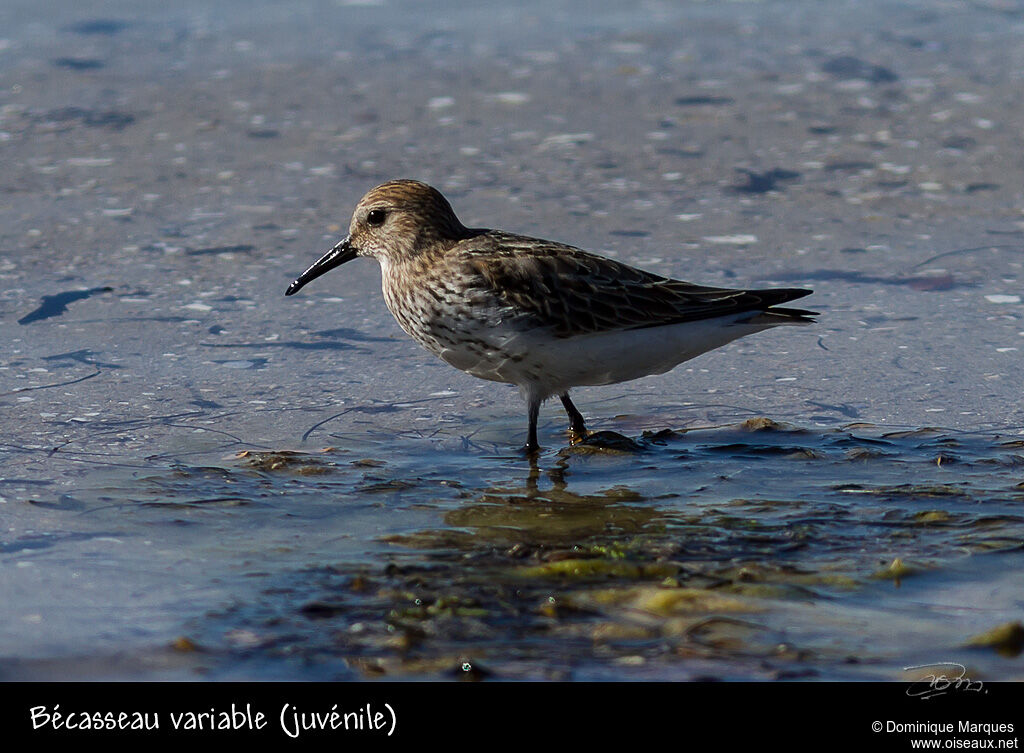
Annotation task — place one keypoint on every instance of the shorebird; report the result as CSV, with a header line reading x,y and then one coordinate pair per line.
x,y
538,314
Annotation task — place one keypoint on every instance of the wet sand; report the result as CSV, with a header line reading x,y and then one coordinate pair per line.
x,y
169,172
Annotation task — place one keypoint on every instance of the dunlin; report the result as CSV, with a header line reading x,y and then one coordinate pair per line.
x,y
541,315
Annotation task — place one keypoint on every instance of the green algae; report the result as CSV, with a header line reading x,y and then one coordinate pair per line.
x,y
653,557
285,460
1006,639
591,568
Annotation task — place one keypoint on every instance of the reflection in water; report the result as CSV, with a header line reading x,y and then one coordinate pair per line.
x,y
747,551
704,553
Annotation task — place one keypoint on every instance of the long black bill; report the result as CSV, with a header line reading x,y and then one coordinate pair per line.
x,y
337,256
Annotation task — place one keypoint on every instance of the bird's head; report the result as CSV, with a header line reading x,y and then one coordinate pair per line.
x,y
394,223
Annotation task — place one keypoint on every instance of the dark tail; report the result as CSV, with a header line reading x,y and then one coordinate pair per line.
x,y
770,315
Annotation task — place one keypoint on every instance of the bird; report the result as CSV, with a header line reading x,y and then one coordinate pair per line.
x,y
541,315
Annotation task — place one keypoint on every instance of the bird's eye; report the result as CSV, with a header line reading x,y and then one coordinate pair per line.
x,y
375,217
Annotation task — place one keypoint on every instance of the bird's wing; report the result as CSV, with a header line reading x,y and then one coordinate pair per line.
x,y
574,292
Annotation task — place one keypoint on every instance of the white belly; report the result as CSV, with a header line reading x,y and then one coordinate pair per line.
x,y
550,366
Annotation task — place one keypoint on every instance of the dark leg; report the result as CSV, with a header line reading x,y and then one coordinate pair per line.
x,y
576,424
532,445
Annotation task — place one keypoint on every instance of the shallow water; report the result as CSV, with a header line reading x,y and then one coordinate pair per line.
x,y
756,550
200,478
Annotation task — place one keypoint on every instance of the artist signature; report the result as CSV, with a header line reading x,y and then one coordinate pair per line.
x,y
938,682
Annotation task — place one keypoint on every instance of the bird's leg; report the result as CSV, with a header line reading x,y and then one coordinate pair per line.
x,y
532,445
576,423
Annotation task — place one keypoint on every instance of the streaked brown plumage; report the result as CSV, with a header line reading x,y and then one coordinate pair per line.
x,y
538,314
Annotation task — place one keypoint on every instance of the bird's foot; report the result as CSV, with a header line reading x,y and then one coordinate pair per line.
x,y
530,450
578,435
